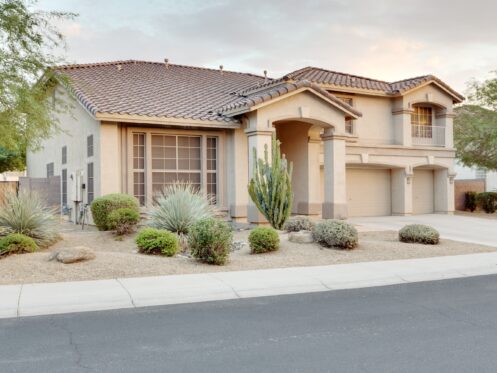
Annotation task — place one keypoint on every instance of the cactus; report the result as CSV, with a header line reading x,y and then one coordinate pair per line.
x,y
271,185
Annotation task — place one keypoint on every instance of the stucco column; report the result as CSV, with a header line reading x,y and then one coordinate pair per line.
x,y
110,159
446,120
312,204
335,195
257,140
237,178
444,191
401,192
402,127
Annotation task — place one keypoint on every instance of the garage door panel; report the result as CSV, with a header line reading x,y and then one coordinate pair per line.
x,y
422,192
369,192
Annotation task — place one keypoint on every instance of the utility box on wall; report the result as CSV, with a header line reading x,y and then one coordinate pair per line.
x,y
76,187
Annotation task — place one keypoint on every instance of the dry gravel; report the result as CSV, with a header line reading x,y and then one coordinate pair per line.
x,y
119,258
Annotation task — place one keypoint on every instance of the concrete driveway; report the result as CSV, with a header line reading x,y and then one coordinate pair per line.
x,y
453,227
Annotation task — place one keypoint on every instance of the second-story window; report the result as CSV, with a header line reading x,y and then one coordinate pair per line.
x,y
89,146
422,116
50,169
349,123
64,154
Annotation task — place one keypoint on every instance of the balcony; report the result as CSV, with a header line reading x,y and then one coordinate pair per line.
x,y
425,135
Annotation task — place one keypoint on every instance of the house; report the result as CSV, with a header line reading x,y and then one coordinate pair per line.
x,y
359,146
475,173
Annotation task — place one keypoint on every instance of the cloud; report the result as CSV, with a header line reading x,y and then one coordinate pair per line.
x,y
386,39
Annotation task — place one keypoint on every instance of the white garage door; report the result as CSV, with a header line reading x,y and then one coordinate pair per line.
x,y
369,192
422,192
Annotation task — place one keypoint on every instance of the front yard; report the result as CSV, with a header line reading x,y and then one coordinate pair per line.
x,y
120,258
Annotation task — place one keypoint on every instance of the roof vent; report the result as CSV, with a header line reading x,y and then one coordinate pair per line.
x,y
265,76
221,69
166,62
119,67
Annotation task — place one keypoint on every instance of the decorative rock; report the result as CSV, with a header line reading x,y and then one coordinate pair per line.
x,y
73,255
301,237
238,245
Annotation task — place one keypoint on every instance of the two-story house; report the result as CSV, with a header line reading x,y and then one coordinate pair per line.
x,y
359,146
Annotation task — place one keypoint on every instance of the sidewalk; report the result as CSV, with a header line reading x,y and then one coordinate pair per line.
x,y
66,297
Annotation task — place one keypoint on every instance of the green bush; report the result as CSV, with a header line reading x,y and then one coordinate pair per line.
x,y
263,240
419,233
101,208
298,223
210,241
123,220
16,243
179,206
470,201
157,241
336,233
25,213
487,201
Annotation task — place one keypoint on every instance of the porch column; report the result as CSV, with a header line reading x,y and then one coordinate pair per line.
x,y
257,139
401,192
446,120
335,196
444,191
312,205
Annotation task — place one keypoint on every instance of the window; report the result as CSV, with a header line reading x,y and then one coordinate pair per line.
x,y
349,123
139,167
212,167
50,169
481,173
64,187
175,158
64,154
421,121
90,186
89,146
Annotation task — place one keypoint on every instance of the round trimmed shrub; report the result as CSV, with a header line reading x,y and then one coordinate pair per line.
x,y
157,241
298,223
263,240
336,233
16,243
210,241
419,233
123,220
101,208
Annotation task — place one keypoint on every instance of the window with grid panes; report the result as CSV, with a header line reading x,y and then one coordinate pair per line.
x,y
90,181
139,167
349,123
64,154
212,167
421,121
64,187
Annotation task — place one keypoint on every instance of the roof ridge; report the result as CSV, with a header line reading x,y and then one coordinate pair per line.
x,y
415,77
123,62
335,72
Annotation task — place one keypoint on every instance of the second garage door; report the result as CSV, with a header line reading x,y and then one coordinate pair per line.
x,y
369,192
422,192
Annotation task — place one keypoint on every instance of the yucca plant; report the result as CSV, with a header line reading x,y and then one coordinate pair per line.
x,y
25,213
179,205
271,185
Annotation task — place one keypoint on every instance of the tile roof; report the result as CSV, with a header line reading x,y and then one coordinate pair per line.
x,y
155,89
275,90
151,89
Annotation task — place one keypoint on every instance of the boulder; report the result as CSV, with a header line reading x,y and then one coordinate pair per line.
x,y
301,237
73,254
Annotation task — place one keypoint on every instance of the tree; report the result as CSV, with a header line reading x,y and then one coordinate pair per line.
x,y
11,160
475,126
271,185
27,40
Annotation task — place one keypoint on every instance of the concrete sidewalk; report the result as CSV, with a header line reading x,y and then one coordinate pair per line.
x,y
66,297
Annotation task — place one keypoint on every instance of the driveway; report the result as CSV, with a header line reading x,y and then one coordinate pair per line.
x,y
453,227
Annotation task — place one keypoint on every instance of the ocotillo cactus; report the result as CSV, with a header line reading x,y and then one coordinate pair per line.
x,y
271,185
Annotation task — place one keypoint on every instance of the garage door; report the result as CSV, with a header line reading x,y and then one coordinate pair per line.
x,y
422,192
368,192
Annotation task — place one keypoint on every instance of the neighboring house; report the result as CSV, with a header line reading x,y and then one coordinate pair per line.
x,y
474,173
359,146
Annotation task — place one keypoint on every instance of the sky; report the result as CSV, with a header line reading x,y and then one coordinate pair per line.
x,y
390,40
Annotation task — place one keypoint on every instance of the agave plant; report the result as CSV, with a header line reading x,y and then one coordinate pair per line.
x,y
178,206
25,213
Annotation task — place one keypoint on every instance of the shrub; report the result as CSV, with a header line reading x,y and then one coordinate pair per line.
x,y
470,201
123,220
101,208
157,241
210,241
270,187
179,206
26,214
298,223
419,233
336,233
263,240
487,201
16,243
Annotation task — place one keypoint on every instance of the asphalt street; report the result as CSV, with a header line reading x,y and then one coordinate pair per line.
x,y
440,326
